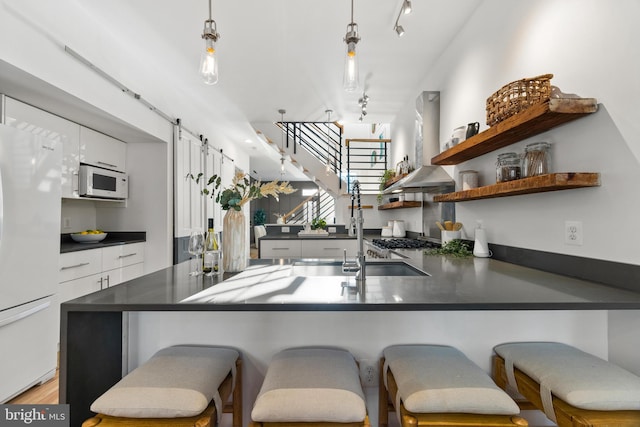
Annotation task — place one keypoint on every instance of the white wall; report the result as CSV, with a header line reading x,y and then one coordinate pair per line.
x,y
586,45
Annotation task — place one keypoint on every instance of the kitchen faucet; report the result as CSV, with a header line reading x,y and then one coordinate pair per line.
x,y
359,265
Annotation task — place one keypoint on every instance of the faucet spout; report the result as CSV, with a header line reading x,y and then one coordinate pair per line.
x,y
360,263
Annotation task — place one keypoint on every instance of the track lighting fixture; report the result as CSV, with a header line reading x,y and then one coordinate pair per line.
x,y
404,10
362,102
282,170
209,58
328,165
351,72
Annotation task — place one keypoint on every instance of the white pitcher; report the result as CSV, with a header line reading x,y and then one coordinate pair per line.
x,y
398,228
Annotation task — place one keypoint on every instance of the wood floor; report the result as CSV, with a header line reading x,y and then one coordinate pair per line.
x,y
45,394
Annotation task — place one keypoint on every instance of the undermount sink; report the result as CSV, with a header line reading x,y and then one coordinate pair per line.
x,y
319,268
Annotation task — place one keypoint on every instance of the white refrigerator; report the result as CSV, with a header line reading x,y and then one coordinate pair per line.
x,y
30,168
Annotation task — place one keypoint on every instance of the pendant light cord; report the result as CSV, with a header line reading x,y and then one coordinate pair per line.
x,y
352,12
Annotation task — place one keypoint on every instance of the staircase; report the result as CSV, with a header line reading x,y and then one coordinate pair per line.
x,y
326,157
320,205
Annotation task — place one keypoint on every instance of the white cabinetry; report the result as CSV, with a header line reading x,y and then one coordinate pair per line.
x,y
326,248
83,272
308,248
23,116
100,150
285,248
122,263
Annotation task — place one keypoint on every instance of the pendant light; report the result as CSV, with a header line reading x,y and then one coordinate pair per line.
x,y
350,81
328,165
282,171
209,57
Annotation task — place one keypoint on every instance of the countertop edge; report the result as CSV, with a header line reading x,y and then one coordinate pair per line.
x,y
114,238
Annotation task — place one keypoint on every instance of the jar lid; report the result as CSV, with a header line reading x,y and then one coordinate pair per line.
x,y
468,171
507,155
537,146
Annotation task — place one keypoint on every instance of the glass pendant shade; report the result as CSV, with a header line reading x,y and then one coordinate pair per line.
x,y
209,63
350,81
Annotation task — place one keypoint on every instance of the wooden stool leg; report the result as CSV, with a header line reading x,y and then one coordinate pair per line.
x,y
383,398
237,396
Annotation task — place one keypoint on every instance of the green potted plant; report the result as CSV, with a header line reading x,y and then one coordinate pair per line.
x,y
259,217
318,224
386,176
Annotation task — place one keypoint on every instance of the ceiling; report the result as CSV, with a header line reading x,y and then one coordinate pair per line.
x,y
286,54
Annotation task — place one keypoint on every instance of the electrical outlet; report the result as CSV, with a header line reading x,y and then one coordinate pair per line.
x,y
285,229
573,233
66,222
368,373
332,229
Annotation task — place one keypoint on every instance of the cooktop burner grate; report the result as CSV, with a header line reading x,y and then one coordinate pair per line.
x,y
404,244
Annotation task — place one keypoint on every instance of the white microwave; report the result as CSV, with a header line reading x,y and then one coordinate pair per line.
x,y
103,183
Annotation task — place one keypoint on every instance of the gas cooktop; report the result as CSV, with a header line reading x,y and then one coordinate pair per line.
x,y
404,244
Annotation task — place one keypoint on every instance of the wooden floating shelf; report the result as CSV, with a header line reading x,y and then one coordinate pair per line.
x,y
530,122
393,180
399,205
535,184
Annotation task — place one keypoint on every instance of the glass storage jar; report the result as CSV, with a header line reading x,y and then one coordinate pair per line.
x,y
536,159
508,167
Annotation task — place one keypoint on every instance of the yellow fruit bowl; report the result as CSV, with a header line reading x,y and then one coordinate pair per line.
x,y
88,237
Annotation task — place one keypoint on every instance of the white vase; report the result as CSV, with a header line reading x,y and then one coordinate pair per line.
x,y
234,249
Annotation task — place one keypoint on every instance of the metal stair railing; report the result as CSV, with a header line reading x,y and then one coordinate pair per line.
x,y
322,139
367,160
319,205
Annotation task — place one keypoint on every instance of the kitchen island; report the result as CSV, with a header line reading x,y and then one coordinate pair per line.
x,y
471,303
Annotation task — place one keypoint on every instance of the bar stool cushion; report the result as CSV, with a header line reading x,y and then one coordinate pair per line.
x,y
580,379
311,385
441,379
177,381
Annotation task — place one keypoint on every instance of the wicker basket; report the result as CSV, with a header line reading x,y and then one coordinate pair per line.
x,y
517,96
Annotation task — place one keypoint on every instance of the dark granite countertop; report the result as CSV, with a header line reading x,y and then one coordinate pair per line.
x,y
113,238
270,285
294,236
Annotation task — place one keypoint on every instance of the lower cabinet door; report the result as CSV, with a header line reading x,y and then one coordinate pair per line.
x,y
324,248
275,249
79,287
120,275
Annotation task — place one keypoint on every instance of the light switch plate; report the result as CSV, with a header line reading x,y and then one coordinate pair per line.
x,y
285,230
332,229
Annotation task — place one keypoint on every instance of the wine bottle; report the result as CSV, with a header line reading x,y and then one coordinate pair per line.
x,y
211,258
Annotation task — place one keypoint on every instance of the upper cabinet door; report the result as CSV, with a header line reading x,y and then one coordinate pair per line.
x,y
23,116
103,151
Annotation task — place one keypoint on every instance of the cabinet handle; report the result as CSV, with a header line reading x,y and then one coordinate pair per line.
x,y
127,255
74,266
107,164
331,249
280,249
100,281
108,284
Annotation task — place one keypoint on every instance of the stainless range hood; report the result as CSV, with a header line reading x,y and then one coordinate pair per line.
x,y
428,178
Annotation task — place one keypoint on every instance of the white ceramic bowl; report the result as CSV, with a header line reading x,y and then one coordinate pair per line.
x,y
88,238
